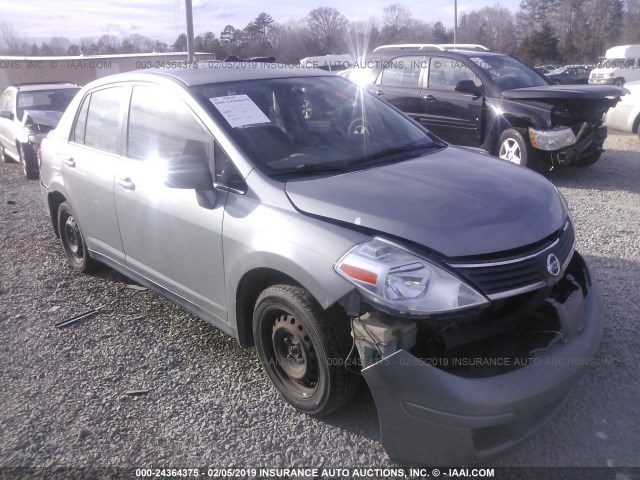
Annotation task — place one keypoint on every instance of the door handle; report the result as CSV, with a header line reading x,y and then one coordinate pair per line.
x,y
429,98
379,92
126,183
69,162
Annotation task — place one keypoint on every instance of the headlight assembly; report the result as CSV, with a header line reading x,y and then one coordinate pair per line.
x,y
552,139
402,282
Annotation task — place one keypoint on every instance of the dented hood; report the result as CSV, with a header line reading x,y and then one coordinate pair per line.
x,y
455,202
566,92
47,118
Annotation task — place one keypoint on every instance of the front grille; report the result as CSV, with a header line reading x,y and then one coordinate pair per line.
x,y
503,277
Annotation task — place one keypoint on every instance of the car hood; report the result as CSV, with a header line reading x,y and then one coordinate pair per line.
x,y
454,202
565,92
46,118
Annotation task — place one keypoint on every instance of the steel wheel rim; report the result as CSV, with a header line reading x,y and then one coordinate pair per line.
x,y
510,151
295,361
73,238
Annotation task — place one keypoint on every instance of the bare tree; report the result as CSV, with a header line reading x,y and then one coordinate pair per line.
x,y
10,40
396,16
59,45
329,26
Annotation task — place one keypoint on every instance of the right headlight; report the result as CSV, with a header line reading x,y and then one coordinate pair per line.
x,y
402,282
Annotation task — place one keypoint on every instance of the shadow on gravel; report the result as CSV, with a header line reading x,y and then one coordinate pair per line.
x,y
617,170
359,416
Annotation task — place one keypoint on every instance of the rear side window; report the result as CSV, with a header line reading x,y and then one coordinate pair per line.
x,y
104,119
403,72
81,121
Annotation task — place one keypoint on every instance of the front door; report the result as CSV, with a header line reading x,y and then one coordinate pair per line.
x,y
167,236
452,115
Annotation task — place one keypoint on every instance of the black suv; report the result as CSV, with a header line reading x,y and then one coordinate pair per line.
x,y
491,101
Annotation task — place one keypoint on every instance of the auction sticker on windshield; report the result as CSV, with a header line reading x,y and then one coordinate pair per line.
x,y
239,110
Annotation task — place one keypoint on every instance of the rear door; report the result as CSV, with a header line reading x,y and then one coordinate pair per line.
x,y
89,164
452,115
167,236
400,82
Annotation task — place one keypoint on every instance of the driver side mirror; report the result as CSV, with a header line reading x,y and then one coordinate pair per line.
x,y
6,114
469,87
188,172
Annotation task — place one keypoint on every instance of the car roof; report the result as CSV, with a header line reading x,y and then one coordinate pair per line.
x,y
208,72
34,87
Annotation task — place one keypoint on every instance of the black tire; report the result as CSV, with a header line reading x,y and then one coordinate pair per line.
x,y
512,147
303,349
29,161
5,158
619,82
72,240
589,159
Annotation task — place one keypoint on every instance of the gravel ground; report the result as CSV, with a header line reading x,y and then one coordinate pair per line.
x,y
63,395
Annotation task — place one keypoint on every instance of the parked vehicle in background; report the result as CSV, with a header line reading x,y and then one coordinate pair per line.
x,y
620,65
625,116
569,75
330,63
349,241
27,113
494,102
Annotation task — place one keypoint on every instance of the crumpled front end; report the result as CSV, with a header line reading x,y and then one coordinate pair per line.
x,y
451,391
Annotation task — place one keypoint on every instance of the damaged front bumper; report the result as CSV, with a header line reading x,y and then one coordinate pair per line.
x,y
429,416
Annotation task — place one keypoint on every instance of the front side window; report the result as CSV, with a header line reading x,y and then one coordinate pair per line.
x,y
446,73
292,127
104,119
161,126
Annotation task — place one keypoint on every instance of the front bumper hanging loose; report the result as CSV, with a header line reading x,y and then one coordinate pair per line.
x,y
432,417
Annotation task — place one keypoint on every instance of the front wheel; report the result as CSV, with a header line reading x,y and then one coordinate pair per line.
x,y
513,148
303,349
29,161
619,82
72,240
3,154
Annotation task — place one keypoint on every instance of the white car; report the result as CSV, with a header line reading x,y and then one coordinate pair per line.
x,y
625,116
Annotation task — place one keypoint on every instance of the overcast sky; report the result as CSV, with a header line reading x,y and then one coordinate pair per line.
x,y
164,20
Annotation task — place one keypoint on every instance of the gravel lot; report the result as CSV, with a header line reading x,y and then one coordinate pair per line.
x,y
63,395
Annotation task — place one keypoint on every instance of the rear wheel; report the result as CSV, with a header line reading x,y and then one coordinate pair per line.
x,y
72,240
303,349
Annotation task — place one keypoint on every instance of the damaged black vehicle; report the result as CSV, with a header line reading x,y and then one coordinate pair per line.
x,y
494,102
27,113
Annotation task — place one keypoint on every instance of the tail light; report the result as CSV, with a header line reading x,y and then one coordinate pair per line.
x,y
39,155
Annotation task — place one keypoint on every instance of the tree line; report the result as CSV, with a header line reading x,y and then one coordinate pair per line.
x,y
541,31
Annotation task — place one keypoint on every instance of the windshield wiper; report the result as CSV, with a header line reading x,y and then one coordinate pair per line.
x,y
389,152
310,169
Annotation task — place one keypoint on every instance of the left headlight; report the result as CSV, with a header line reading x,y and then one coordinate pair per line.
x,y
551,139
403,282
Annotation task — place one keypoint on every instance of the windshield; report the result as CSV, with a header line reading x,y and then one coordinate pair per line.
x,y
50,100
313,125
508,73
